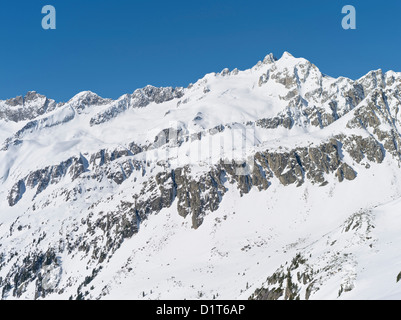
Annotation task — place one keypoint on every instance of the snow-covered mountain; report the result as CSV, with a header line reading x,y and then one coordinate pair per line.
x,y
276,182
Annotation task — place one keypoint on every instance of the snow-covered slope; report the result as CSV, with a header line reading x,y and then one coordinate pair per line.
x,y
276,182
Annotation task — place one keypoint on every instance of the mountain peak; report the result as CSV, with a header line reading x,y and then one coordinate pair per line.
x,y
20,101
270,58
84,95
286,54
32,95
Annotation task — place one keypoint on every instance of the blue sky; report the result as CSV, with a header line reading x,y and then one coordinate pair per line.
x,y
114,47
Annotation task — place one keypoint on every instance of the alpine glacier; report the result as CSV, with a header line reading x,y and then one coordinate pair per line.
x,y
162,194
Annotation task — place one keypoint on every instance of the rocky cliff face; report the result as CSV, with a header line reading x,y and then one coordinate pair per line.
x,y
81,181
26,108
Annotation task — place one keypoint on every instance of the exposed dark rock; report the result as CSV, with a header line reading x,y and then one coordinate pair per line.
x,y
286,283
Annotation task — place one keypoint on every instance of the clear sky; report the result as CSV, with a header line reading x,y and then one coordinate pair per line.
x,y
112,47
